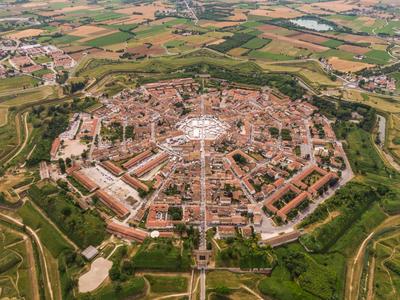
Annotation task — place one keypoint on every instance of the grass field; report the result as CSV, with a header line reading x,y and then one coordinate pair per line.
x,y
127,290
3,116
162,255
378,57
309,71
47,233
392,142
34,95
396,76
65,39
17,83
332,43
383,103
114,38
256,43
167,284
269,56
15,278
231,280
9,135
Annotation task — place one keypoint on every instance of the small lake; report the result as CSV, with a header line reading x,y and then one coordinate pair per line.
x,y
311,24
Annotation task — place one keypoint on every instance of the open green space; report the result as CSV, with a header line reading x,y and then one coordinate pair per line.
x,y
270,56
114,38
197,62
378,57
118,291
17,83
15,281
84,228
167,284
49,236
332,43
162,254
256,43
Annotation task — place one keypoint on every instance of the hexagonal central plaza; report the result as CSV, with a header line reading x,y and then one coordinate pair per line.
x,y
206,127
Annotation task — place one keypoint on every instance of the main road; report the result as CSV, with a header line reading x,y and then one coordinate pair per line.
x,y
203,204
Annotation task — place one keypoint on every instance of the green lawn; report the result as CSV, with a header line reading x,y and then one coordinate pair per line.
x,y
168,284
163,255
42,59
114,38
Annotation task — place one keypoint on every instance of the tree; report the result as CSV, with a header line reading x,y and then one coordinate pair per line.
x,y
61,164
114,273
68,161
180,228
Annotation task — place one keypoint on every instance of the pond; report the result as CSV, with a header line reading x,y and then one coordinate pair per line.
x,y
311,24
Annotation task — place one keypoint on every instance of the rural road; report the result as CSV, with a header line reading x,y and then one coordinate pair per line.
x,y
40,247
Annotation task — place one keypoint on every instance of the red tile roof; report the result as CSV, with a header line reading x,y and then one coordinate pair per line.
x,y
135,183
112,203
127,232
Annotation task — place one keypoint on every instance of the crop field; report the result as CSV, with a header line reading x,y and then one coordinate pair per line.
x,y
25,33
295,42
256,43
285,48
89,31
312,38
331,43
347,65
354,49
110,39
276,12
358,24
335,6
377,57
